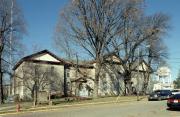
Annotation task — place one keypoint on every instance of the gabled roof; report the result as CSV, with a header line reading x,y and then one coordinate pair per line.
x,y
60,61
32,56
114,59
135,66
118,60
110,58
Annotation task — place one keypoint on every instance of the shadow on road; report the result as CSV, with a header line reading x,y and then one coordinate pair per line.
x,y
173,109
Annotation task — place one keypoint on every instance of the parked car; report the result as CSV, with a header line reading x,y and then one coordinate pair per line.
x,y
174,102
160,95
175,91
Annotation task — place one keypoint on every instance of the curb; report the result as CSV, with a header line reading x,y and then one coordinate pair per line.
x,y
51,108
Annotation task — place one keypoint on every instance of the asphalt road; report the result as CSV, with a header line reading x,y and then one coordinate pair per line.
x,y
133,109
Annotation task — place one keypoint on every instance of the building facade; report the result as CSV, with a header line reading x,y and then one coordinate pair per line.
x,y
44,71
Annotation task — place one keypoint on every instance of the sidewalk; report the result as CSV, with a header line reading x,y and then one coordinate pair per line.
x,y
30,108
12,106
7,108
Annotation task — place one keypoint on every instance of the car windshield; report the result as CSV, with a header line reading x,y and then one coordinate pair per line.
x,y
165,91
162,92
177,96
156,91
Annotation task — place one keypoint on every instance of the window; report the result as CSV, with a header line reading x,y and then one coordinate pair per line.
x,y
52,69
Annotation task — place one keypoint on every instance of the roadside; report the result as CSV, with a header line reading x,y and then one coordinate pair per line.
x,y
28,107
126,109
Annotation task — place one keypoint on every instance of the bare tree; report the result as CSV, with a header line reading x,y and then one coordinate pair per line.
x,y
137,31
91,25
104,27
9,23
156,52
36,77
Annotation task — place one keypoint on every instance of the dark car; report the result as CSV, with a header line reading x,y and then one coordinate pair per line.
x,y
174,102
160,95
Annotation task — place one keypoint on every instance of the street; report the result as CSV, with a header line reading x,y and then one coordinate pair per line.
x,y
130,109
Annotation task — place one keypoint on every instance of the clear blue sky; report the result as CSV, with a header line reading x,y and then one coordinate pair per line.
x,y
41,17
170,7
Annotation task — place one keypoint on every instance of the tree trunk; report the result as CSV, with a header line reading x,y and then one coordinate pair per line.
x,y
32,94
146,83
36,91
1,88
1,82
125,91
128,84
95,95
118,87
96,80
146,77
65,81
128,87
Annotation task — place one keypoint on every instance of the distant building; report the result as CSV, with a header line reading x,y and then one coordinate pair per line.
x,y
68,77
163,78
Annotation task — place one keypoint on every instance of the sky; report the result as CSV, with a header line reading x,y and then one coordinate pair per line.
x,y
42,15
172,40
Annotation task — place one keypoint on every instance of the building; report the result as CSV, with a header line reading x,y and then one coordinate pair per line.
x,y
47,72
44,71
163,79
6,90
